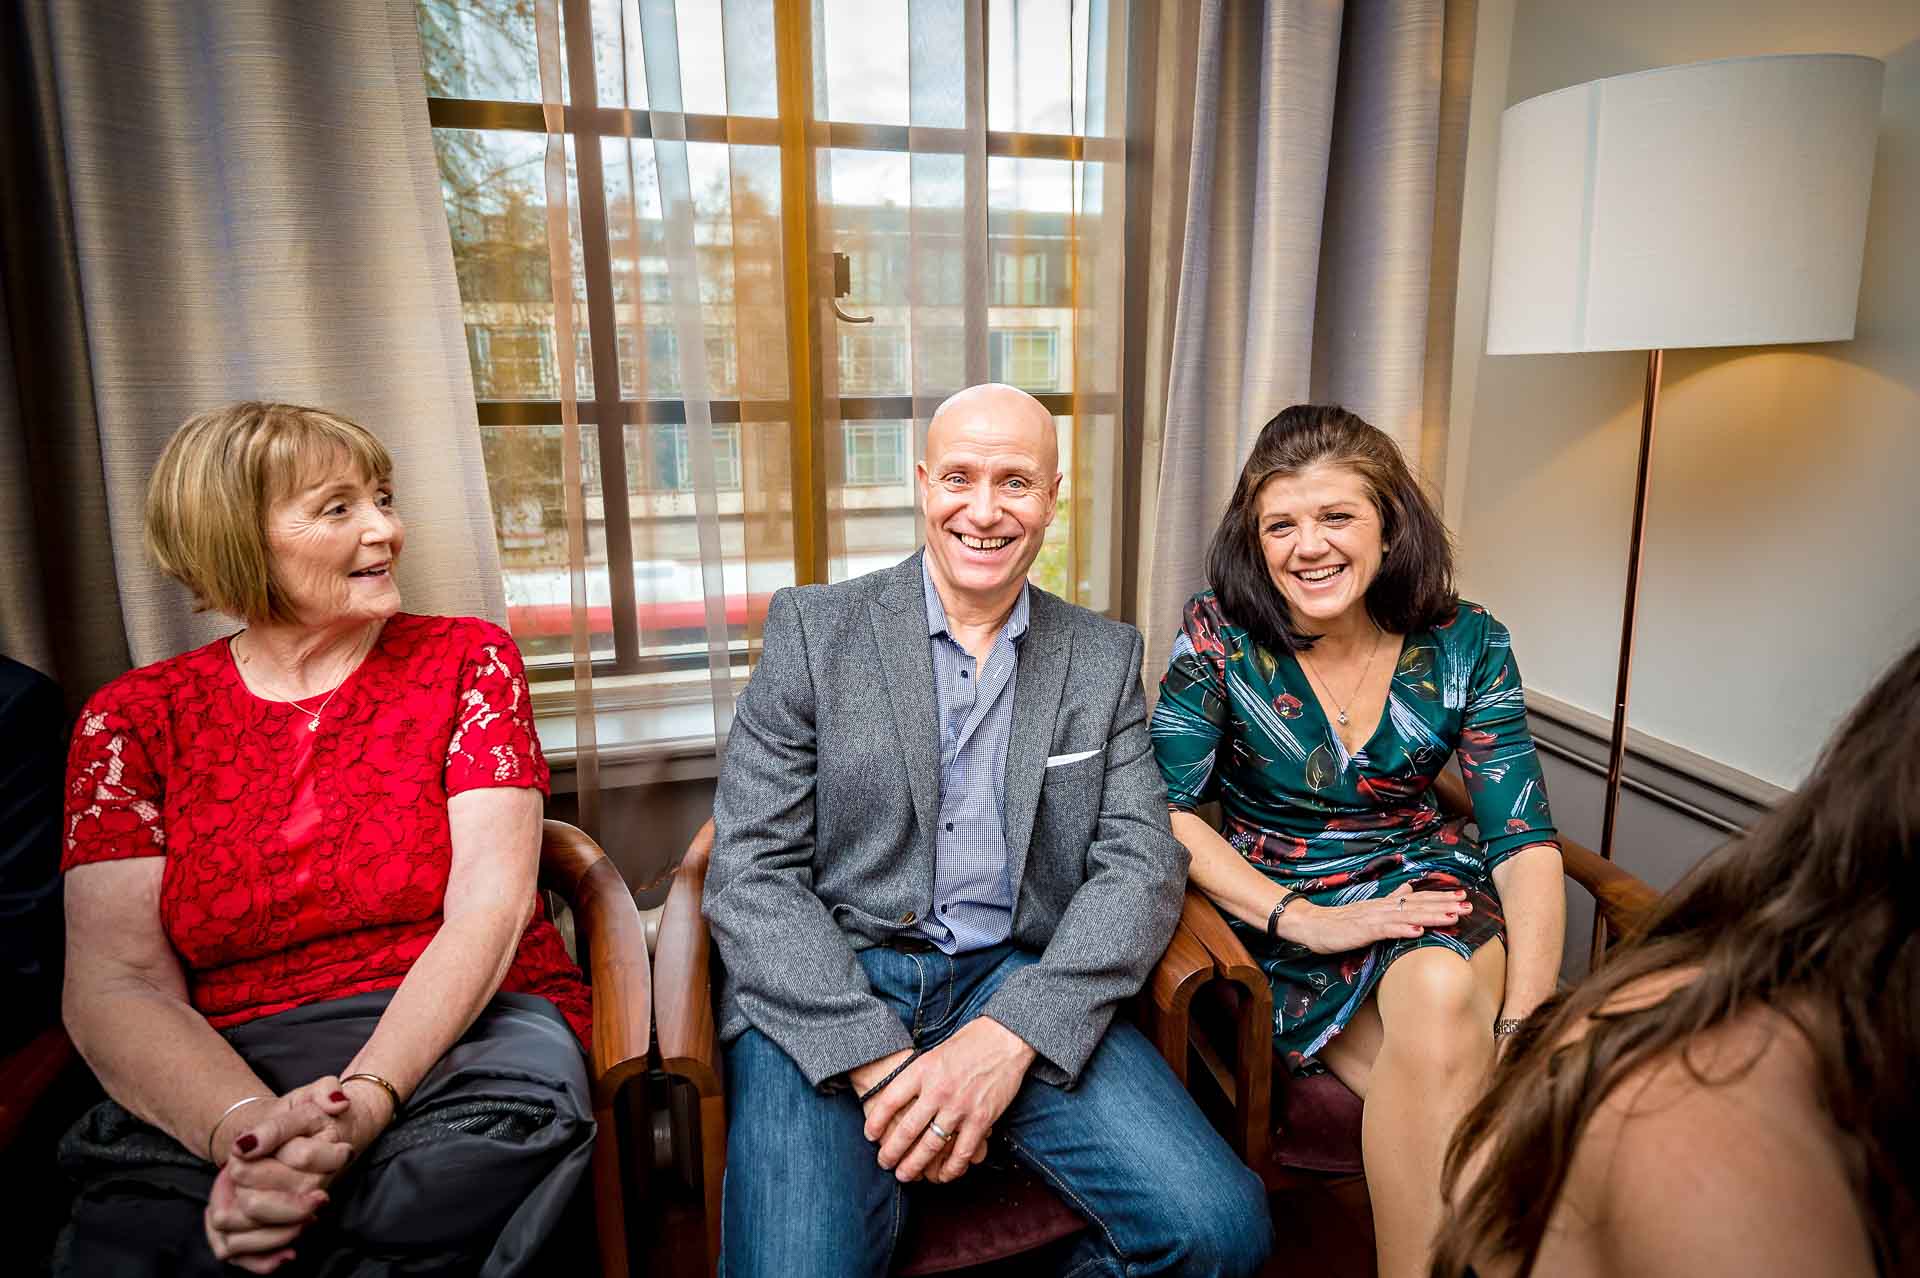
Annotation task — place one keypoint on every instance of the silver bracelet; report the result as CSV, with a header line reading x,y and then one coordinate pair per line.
x,y
224,1115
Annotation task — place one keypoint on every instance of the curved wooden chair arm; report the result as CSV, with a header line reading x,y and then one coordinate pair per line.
x,y
613,946
683,970
689,1040
1246,1080
1168,997
1451,789
1623,900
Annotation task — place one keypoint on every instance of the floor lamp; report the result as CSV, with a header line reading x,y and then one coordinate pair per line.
x,y
1714,204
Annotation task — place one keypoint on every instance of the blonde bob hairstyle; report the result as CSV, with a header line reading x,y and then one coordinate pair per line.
x,y
221,473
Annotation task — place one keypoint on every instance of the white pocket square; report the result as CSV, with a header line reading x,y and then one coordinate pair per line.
x,y
1061,760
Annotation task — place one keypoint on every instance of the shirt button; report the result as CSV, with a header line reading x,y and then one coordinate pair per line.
x,y
965,675
949,827
908,917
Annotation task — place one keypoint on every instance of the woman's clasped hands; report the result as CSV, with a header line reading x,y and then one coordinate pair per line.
x,y
278,1168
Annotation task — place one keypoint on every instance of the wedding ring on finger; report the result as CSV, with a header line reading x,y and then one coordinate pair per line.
x,y
942,1133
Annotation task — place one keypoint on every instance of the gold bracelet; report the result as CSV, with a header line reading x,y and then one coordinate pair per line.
x,y
392,1093
225,1114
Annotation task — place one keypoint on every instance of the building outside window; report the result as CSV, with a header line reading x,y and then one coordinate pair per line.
x,y
876,452
1025,357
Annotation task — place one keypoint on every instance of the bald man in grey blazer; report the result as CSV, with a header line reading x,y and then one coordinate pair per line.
x,y
941,859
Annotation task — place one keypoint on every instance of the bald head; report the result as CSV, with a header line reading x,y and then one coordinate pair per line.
x,y
1001,410
987,488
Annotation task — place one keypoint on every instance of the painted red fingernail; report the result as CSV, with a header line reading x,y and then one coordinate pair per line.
x,y
246,1143
338,1097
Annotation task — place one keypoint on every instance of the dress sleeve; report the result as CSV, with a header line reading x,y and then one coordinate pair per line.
x,y
115,792
1497,755
494,742
1189,720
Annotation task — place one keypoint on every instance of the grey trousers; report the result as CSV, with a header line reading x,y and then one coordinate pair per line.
x,y
472,1178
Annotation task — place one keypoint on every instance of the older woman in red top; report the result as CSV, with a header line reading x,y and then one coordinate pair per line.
x,y
302,916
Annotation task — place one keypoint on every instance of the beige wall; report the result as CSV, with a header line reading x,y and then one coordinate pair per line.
x,y
1782,568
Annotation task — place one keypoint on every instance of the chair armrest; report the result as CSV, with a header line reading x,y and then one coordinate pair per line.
x,y
28,1073
1168,996
682,959
1246,1082
613,942
1623,900
1451,789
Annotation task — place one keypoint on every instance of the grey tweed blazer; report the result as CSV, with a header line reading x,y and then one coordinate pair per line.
x,y
825,813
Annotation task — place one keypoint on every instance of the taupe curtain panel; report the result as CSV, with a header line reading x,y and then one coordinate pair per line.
x,y
202,202
1309,163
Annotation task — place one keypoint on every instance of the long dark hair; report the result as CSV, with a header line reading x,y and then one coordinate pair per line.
x,y
1810,914
1414,587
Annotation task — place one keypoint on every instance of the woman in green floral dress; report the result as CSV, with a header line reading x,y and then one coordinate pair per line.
x,y
1315,692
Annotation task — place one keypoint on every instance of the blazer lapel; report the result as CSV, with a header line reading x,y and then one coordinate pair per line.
x,y
899,615
1036,700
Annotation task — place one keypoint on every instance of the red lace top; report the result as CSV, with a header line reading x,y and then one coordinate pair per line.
x,y
306,865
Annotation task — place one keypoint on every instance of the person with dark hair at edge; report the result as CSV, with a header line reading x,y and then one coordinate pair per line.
x,y
1315,690
1733,1092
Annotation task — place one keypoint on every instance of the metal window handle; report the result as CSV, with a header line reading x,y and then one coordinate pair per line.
x,y
843,285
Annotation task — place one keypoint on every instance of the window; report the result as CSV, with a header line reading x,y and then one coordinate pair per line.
x,y
673,461
873,361
876,452
1026,357
638,272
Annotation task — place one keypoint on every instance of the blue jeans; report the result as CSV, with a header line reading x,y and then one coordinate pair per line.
x,y
1126,1147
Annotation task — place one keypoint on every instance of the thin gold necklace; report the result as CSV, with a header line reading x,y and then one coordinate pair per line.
x,y
313,721
1339,708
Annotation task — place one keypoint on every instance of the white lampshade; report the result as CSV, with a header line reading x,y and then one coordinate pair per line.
x,y
1716,204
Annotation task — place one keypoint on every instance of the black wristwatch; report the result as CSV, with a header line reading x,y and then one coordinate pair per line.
x,y
1273,919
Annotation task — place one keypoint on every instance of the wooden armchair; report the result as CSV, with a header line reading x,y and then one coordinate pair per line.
x,y
987,1215
610,945
611,949
1299,1133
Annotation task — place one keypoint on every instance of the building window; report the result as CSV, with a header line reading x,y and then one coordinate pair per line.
x,y
1025,357
876,452
873,361
673,470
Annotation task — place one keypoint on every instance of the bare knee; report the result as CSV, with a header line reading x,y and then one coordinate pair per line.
x,y
1434,1012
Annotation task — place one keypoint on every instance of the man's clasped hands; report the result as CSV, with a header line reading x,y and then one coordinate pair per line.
x,y
933,1119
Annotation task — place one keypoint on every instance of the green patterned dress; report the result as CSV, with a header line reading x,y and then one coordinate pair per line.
x,y
1239,724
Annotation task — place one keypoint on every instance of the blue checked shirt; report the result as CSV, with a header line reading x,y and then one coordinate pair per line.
x,y
972,899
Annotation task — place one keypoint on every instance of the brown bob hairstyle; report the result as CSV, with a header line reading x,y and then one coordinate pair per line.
x,y
220,474
1414,587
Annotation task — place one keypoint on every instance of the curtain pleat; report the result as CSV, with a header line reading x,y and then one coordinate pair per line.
x,y
1320,241
59,598
253,205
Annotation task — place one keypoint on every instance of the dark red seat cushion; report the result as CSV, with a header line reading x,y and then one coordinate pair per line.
x,y
986,1215
1318,1126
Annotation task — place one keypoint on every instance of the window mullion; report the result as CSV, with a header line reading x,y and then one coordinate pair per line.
x,y
597,252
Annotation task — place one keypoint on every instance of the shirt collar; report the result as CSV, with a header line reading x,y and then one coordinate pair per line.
x,y
937,613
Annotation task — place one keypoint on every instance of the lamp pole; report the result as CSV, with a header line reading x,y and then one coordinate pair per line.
x,y
1617,749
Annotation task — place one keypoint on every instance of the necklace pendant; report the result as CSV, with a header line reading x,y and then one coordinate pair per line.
x,y
1343,718
313,724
